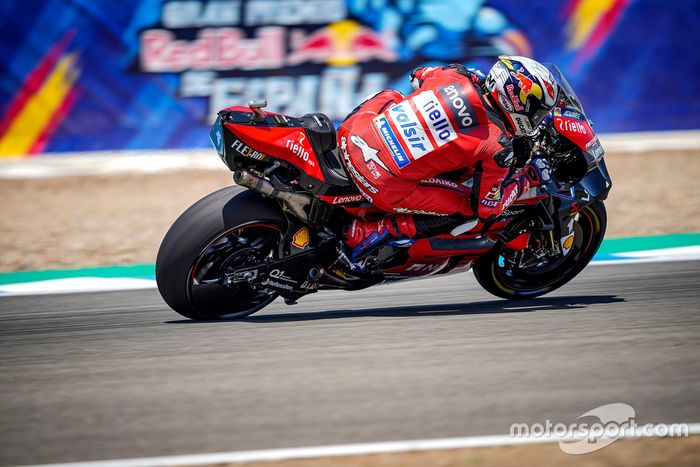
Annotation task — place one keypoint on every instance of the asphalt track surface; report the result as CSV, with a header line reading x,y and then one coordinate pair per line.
x,y
118,375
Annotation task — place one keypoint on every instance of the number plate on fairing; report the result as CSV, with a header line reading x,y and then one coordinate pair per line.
x,y
217,138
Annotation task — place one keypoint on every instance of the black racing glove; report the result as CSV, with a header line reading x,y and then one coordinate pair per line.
x,y
538,172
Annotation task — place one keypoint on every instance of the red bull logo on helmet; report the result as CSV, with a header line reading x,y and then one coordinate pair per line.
x,y
342,43
527,86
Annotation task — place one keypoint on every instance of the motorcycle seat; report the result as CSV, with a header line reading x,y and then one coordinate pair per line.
x,y
320,130
322,137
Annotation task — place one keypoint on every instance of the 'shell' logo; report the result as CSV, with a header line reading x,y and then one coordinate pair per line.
x,y
301,238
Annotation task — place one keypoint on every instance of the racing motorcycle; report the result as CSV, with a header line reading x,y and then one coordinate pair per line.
x,y
279,230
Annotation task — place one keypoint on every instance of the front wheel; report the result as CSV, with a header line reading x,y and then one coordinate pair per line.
x,y
230,228
521,275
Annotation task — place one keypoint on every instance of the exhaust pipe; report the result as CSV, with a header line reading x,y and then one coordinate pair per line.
x,y
294,202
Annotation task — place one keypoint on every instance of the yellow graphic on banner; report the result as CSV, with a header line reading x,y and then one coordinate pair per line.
x,y
585,18
37,113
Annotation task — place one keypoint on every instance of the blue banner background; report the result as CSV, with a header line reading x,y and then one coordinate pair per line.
x,y
633,63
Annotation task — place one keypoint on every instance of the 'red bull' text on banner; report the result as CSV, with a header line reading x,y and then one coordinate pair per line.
x,y
83,75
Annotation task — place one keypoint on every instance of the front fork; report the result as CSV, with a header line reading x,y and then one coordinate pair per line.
x,y
559,209
563,208
551,221
548,221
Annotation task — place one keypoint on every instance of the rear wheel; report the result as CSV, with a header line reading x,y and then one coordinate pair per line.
x,y
522,275
228,229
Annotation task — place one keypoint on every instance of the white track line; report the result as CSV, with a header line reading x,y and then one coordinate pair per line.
x,y
157,161
76,285
104,284
268,455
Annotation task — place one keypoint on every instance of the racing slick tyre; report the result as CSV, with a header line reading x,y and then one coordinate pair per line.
x,y
229,228
505,279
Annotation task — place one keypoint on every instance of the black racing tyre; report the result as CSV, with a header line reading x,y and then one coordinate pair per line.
x,y
230,227
515,283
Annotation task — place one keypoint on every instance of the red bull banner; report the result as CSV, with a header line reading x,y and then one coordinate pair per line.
x,y
148,74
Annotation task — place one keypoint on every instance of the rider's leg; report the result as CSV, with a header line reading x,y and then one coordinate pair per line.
x,y
366,236
434,197
439,206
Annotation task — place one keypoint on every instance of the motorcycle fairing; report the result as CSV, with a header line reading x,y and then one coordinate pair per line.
x,y
306,144
576,130
290,144
571,122
595,185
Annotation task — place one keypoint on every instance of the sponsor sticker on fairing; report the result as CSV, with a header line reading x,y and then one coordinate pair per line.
x,y
246,151
301,238
435,116
348,199
576,115
410,129
298,148
570,125
595,148
512,212
566,243
217,137
390,141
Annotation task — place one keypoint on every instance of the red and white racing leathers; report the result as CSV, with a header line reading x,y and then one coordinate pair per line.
x,y
395,148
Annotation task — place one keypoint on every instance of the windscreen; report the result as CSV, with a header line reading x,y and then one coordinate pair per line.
x,y
566,92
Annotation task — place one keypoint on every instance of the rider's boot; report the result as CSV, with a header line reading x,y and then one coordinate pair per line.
x,y
365,237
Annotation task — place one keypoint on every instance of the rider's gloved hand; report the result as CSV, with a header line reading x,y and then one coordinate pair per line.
x,y
538,172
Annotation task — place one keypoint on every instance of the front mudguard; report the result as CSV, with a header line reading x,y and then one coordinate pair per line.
x,y
594,186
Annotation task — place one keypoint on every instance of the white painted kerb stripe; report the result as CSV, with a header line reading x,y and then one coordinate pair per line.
x,y
237,457
651,141
100,284
76,285
682,253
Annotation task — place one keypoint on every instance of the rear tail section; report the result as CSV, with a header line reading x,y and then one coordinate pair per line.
x,y
300,150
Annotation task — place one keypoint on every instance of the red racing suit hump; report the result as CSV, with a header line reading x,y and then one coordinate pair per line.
x,y
441,127
397,147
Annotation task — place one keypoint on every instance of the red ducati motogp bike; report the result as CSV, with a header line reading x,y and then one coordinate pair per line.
x,y
279,230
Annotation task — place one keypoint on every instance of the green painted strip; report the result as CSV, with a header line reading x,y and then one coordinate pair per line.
x,y
132,271
624,245
609,247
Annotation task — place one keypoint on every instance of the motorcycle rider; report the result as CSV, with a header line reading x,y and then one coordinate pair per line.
x,y
398,148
